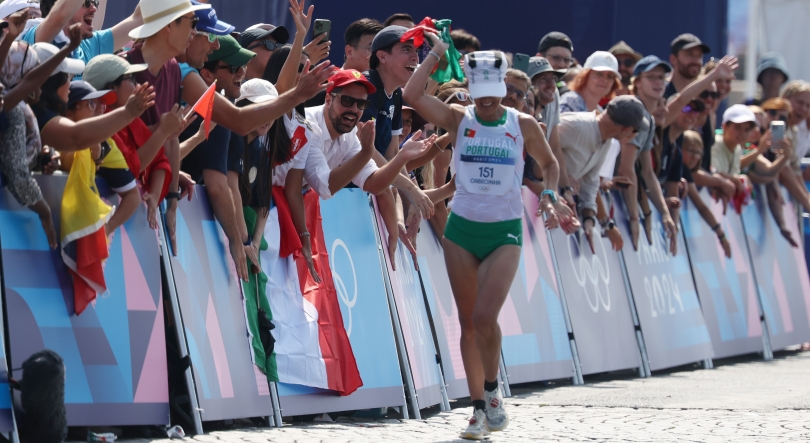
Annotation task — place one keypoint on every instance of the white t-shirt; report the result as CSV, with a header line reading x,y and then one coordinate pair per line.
x,y
585,152
301,137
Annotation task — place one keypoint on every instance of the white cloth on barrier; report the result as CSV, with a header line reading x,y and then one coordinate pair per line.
x,y
298,351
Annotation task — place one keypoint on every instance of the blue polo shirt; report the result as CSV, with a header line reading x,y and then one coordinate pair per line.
x,y
102,42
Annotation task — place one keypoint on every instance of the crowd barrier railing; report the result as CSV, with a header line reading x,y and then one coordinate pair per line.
x,y
570,312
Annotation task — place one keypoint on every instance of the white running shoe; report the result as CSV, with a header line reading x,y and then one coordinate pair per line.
x,y
477,428
497,420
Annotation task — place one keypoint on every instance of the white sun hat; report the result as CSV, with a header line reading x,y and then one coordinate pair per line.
x,y
159,13
603,61
485,72
69,65
257,90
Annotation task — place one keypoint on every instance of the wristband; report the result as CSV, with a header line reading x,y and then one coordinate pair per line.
x,y
551,195
304,234
566,188
716,227
438,57
172,195
721,237
648,214
590,217
437,147
248,242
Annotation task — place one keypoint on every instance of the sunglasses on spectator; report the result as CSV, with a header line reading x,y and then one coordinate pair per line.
x,y
518,93
233,69
211,37
459,95
706,94
348,101
268,44
194,19
87,3
776,116
560,58
628,63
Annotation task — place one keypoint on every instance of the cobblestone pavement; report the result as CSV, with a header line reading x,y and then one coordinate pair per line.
x,y
741,400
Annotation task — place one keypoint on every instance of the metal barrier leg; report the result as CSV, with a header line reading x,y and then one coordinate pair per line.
x,y
276,405
644,369
504,378
392,306
180,329
578,379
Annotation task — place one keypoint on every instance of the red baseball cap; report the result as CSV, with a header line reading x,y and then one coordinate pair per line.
x,y
345,77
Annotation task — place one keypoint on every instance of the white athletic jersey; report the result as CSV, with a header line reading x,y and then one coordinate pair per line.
x,y
489,168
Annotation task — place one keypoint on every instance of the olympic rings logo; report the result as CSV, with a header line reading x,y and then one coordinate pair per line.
x,y
340,287
483,188
591,271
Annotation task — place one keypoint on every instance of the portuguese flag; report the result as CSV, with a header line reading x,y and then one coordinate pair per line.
x,y
417,33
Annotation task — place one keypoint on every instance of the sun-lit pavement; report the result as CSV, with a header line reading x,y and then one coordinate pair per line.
x,y
741,400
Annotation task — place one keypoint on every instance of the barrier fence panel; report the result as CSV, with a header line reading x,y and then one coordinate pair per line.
x,y
412,313
594,290
7,423
209,295
780,272
728,295
672,323
442,309
352,246
115,351
535,337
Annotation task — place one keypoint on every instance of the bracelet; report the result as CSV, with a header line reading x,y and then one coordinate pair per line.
x,y
634,219
566,188
721,237
248,242
438,57
648,214
304,234
437,147
591,218
716,227
172,195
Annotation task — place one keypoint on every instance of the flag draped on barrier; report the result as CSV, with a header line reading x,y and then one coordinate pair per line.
x,y
84,243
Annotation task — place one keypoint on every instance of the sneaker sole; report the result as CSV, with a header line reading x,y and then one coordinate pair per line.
x,y
467,436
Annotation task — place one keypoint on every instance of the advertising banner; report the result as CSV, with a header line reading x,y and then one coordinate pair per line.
x,y
351,242
781,274
596,296
210,297
416,332
664,293
535,339
115,351
725,286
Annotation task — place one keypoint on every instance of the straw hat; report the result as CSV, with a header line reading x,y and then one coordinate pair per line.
x,y
159,13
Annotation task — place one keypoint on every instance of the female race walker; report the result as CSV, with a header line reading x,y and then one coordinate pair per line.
x,y
483,235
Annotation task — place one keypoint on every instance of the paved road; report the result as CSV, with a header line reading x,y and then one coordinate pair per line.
x,y
741,400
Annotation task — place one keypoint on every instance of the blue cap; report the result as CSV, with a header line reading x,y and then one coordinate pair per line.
x,y
649,63
210,23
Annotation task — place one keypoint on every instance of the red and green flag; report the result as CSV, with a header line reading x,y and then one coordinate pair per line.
x,y
453,69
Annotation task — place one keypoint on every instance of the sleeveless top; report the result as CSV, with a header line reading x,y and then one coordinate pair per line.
x,y
489,162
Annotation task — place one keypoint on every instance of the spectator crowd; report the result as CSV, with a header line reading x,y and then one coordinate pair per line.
x,y
287,127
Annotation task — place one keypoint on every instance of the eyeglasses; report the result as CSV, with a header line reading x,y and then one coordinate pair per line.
x,y
92,105
459,96
211,37
87,3
695,152
518,93
713,94
232,69
776,116
628,63
194,19
269,44
348,101
129,78
559,58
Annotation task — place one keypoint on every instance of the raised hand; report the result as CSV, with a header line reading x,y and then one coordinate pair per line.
x,y
75,36
141,99
302,20
726,66
415,148
313,81
439,47
318,49
171,122
366,132
16,23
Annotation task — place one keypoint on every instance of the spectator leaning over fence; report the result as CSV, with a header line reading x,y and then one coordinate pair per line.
x,y
61,14
599,80
584,143
23,73
627,59
692,149
484,233
738,122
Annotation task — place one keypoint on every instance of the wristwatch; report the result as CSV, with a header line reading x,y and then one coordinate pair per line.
x,y
608,225
173,195
551,195
248,242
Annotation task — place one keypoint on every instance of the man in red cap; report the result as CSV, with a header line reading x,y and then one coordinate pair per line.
x,y
347,146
